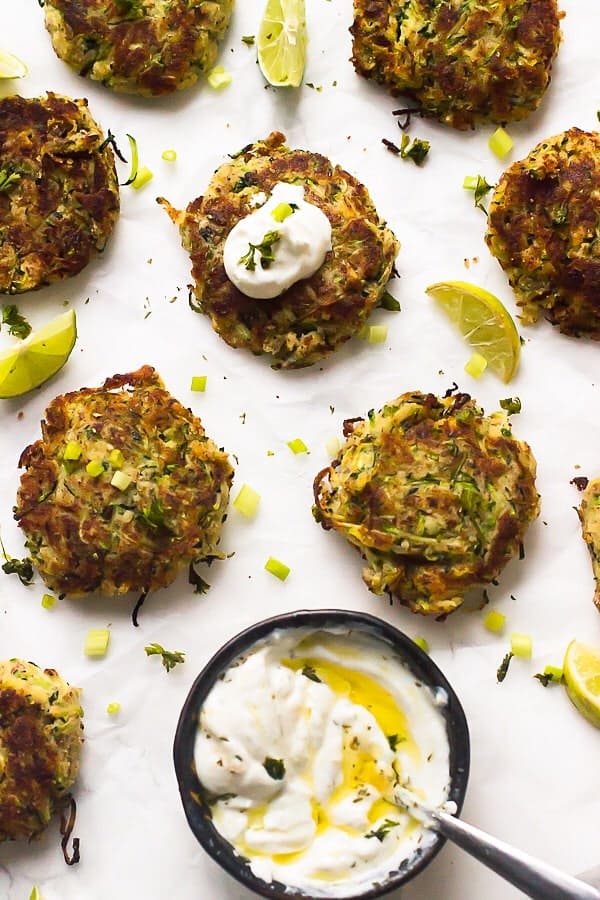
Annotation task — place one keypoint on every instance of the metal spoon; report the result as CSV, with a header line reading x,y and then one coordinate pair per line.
x,y
535,878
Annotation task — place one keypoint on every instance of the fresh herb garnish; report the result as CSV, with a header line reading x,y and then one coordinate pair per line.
x,y
393,740
265,250
154,515
248,40
544,678
389,302
503,667
110,139
275,768
384,829
134,161
309,672
18,325
198,583
23,568
170,658
8,179
512,405
417,151
481,189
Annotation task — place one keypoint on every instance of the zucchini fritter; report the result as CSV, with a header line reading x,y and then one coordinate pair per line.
x,y
123,490
463,62
434,495
589,515
138,46
40,743
317,314
544,228
60,199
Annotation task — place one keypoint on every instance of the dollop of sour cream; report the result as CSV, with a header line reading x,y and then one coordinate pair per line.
x,y
301,744
281,242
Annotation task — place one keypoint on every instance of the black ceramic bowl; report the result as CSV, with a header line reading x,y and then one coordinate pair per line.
x,y
196,806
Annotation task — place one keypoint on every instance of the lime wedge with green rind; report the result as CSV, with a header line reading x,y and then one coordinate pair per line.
x,y
281,42
484,321
38,357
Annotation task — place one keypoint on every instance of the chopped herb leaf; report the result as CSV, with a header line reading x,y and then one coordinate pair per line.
x,y
417,151
309,672
23,568
544,678
248,39
381,832
170,658
154,515
480,189
8,179
389,302
247,180
18,325
198,583
503,667
393,740
265,250
512,405
275,768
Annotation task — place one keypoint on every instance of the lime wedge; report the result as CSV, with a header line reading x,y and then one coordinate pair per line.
x,y
483,321
37,358
281,42
581,672
11,66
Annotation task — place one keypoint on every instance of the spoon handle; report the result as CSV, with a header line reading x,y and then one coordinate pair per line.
x,y
532,876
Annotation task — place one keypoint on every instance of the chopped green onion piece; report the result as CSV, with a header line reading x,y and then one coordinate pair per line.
x,y
48,601
470,182
218,78
277,568
476,365
333,446
169,155
247,501
422,643
72,451
143,176
134,161
121,481
521,645
494,621
554,673
113,708
501,143
94,468
35,894
282,211
374,334
198,383
248,40
96,642
116,458
297,446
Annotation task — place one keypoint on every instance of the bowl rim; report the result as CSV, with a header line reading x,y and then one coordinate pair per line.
x,y
196,808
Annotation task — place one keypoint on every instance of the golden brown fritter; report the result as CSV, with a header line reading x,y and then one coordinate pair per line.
x,y
589,516
462,62
434,495
138,46
317,314
40,743
59,195
544,230
123,490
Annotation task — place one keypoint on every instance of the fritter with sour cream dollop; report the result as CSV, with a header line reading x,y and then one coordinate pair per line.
x,y
462,63
435,495
138,46
544,227
123,489
59,195
315,315
40,744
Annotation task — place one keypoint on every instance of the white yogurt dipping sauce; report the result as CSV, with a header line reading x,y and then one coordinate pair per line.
x,y
294,244
301,742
